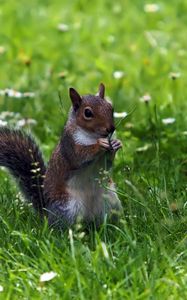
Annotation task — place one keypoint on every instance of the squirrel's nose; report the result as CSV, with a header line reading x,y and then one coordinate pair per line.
x,y
111,129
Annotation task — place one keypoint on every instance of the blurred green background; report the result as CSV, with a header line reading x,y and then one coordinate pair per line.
x,y
139,51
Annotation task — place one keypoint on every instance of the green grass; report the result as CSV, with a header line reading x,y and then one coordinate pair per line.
x,y
145,256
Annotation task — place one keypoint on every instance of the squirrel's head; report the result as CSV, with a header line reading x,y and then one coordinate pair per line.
x,y
93,113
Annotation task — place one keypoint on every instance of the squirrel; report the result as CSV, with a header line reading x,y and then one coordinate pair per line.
x,y
69,187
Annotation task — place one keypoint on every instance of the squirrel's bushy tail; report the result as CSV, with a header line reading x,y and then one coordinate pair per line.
x,y
20,154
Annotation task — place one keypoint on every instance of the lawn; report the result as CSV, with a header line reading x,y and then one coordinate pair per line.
x,y
140,52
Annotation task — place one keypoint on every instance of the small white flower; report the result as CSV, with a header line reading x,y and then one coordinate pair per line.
x,y
174,75
12,93
122,114
28,95
145,98
151,7
9,93
2,50
3,123
1,288
118,74
16,94
168,121
63,27
47,276
24,122
7,114
21,123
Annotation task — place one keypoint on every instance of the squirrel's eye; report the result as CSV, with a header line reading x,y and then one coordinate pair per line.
x,y
88,113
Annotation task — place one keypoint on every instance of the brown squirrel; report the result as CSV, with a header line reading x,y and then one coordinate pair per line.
x,y
69,187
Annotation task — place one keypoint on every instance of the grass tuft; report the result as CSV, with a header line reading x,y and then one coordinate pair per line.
x,y
139,51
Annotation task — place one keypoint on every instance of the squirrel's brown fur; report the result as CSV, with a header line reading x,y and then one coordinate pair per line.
x,y
70,186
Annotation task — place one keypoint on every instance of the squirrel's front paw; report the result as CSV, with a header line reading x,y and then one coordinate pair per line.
x,y
115,145
112,145
104,144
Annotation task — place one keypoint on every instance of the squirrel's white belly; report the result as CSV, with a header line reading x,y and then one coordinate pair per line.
x,y
86,194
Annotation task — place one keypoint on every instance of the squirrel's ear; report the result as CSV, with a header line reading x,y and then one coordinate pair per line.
x,y
101,91
75,98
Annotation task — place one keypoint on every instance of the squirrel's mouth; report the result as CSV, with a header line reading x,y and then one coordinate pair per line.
x,y
108,132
